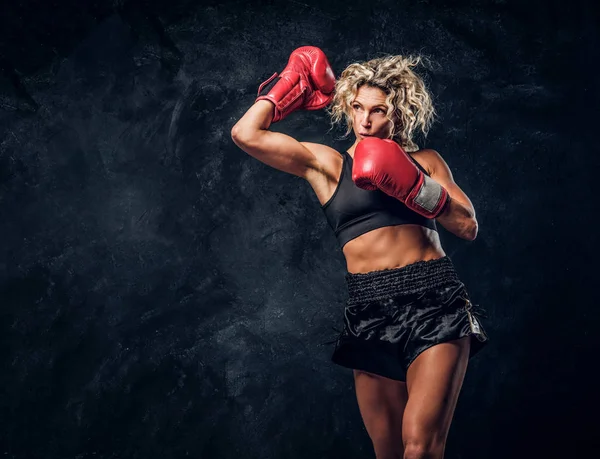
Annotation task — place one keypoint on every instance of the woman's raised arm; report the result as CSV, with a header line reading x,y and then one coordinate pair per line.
x,y
307,83
275,149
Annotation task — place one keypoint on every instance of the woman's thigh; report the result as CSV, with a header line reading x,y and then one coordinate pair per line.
x,y
433,382
381,402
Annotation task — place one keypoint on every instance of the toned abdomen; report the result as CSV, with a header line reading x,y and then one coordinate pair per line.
x,y
391,247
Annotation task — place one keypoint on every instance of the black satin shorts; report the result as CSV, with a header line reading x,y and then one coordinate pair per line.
x,y
393,315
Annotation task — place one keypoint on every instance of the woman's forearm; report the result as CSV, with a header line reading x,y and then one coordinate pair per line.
x,y
459,219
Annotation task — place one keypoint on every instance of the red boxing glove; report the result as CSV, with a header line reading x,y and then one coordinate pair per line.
x,y
383,164
307,82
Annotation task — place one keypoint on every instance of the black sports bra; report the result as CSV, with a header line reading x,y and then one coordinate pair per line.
x,y
352,211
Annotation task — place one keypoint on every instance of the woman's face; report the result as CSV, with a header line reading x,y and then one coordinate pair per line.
x,y
368,114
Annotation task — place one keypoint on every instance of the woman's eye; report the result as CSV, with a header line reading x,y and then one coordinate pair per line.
x,y
376,110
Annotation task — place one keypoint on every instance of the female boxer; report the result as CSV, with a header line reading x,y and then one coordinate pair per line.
x,y
409,325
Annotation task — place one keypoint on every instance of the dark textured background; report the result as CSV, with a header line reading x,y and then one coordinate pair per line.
x,y
164,295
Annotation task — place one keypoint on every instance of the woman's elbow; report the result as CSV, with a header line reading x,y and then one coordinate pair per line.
x,y
236,133
471,231
240,136
244,136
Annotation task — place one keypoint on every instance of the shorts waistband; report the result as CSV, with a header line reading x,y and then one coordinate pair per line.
x,y
409,279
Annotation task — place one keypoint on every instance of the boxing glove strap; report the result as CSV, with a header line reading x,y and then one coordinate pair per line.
x,y
284,93
427,197
265,83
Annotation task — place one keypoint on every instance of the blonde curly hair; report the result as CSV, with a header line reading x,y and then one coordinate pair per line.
x,y
409,104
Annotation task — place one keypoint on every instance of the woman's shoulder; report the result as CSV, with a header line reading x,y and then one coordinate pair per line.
x,y
427,158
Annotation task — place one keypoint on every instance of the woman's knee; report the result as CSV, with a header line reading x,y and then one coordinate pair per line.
x,y
423,447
